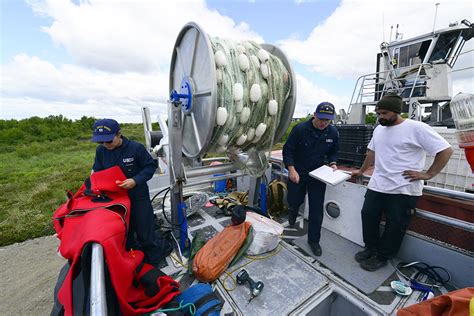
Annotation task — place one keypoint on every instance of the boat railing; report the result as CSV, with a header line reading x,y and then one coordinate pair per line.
x,y
421,213
98,302
404,81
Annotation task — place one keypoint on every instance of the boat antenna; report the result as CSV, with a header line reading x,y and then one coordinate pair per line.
x,y
383,27
391,30
397,34
436,13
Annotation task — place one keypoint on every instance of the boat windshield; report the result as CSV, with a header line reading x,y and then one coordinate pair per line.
x,y
413,54
445,47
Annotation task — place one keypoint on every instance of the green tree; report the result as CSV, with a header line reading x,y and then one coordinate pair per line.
x,y
371,118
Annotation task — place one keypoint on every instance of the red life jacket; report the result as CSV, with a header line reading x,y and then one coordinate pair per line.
x,y
104,219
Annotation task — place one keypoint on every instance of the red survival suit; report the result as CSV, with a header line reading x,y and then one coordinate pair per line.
x,y
104,218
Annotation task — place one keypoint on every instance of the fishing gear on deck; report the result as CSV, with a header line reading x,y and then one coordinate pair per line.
x,y
238,215
424,269
167,190
427,291
226,203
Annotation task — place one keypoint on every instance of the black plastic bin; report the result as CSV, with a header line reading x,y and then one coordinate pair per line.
x,y
353,141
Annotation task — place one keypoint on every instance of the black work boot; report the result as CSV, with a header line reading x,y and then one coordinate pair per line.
x,y
373,263
315,248
364,254
292,214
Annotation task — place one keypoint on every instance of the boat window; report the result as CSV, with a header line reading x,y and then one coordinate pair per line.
x,y
333,210
395,58
444,46
413,54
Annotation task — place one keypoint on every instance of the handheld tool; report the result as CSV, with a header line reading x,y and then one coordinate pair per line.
x,y
255,287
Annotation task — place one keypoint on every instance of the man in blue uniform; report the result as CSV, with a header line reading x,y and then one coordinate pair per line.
x,y
139,167
310,145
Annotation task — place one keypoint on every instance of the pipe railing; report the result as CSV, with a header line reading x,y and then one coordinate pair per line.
x,y
453,222
216,178
385,77
98,303
208,170
442,219
449,193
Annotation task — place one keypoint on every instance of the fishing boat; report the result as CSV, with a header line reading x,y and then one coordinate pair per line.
x,y
295,281
298,283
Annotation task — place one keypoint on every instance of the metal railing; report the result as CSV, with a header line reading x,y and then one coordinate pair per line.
x,y
422,213
366,89
98,302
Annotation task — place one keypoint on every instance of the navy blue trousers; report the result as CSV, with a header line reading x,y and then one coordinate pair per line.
x,y
397,209
141,233
316,190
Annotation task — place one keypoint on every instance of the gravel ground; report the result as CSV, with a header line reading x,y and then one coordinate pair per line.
x,y
27,276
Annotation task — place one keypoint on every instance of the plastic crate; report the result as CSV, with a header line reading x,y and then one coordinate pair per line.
x,y
457,174
351,159
364,128
353,141
353,148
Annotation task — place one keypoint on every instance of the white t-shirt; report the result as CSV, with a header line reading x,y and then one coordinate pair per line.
x,y
398,148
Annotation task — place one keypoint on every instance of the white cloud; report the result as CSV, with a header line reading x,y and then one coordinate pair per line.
x,y
122,51
465,85
39,88
131,35
36,87
346,43
310,95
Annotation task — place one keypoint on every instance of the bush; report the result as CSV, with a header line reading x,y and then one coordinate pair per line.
x,y
30,150
36,129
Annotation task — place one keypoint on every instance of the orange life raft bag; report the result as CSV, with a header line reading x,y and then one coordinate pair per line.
x,y
216,255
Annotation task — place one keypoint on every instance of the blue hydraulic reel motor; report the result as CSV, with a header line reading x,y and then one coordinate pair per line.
x,y
185,97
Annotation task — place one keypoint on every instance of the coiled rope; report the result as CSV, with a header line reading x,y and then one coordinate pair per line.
x,y
252,88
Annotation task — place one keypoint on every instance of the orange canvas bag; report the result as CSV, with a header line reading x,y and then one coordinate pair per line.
x,y
215,256
455,303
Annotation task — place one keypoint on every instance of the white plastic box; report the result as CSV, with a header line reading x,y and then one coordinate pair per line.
x,y
457,174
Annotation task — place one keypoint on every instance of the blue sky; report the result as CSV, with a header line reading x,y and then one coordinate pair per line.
x,y
108,58
288,19
21,33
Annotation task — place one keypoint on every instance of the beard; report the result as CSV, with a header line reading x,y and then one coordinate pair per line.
x,y
387,122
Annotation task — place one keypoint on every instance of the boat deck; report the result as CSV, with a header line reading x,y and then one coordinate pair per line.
x,y
295,281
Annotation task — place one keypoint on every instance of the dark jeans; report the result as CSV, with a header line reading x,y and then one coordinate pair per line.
x,y
142,224
316,190
397,209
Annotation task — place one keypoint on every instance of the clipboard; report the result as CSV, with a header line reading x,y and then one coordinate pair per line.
x,y
330,176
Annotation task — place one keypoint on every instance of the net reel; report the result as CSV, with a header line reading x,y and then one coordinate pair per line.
x,y
196,80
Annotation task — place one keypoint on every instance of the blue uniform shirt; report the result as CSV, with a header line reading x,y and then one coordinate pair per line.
x,y
134,160
308,148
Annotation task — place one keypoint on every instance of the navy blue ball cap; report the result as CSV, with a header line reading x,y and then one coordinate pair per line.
x,y
325,111
105,130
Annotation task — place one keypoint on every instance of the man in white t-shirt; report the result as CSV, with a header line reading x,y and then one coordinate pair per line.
x,y
398,148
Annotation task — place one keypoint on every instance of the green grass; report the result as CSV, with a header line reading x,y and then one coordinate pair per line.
x,y
35,177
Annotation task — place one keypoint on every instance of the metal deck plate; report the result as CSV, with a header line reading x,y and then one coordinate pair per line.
x,y
288,282
338,255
